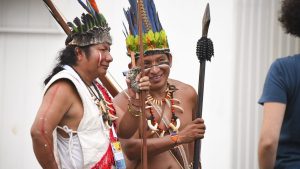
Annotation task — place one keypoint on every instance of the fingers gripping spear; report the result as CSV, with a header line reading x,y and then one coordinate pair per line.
x,y
204,53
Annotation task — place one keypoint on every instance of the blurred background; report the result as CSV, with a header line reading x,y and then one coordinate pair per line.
x,y
247,39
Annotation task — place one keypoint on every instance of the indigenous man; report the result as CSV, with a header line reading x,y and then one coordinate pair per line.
x,y
170,105
73,128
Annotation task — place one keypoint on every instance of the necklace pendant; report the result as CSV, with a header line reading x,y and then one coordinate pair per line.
x,y
97,102
162,133
102,106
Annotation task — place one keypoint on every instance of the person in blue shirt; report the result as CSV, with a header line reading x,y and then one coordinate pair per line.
x,y
279,143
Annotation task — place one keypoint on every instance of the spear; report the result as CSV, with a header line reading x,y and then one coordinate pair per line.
x,y
61,21
143,127
204,53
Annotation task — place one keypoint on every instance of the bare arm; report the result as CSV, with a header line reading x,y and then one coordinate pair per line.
x,y
269,136
50,113
132,146
193,99
128,123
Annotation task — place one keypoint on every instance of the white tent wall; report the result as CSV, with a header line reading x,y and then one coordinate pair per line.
x,y
29,41
259,41
246,36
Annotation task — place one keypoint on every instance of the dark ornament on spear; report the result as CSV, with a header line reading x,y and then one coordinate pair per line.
x,y
204,53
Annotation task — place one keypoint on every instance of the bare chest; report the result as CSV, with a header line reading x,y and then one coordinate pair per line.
x,y
166,113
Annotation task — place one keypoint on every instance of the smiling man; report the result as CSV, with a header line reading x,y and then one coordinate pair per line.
x,y
170,104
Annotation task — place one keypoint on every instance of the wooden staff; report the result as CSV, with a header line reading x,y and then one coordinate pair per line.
x,y
204,53
60,20
143,127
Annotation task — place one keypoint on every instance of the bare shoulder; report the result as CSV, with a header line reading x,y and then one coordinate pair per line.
x,y
62,85
62,90
121,102
120,97
183,88
57,101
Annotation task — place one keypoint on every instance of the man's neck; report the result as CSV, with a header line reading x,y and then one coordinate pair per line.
x,y
85,77
159,93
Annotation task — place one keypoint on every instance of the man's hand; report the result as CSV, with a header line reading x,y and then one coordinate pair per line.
x,y
194,130
137,84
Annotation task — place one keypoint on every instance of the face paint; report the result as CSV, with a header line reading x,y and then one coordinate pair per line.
x,y
100,58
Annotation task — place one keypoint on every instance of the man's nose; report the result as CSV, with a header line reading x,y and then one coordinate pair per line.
x,y
109,57
154,68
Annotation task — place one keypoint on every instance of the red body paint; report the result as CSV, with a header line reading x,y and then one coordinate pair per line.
x,y
41,123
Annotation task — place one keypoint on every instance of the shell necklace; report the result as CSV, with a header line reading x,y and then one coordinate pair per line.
x,y
174,124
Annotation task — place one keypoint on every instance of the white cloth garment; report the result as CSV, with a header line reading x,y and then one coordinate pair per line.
x,y
91,137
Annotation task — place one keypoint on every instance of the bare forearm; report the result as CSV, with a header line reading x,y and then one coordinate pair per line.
x,y
267,157
154,146
128,126
270,131
43,150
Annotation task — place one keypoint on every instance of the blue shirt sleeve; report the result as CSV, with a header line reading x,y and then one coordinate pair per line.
x,y
275,89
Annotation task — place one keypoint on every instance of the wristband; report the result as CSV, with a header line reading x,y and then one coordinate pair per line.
x,y
135,102
174,138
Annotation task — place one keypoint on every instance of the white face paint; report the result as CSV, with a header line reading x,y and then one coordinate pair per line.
x,y
100,58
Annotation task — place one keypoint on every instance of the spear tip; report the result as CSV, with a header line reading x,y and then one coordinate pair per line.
x,y
206,20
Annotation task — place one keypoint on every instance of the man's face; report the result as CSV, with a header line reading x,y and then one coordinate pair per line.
x,y
99,58
157,67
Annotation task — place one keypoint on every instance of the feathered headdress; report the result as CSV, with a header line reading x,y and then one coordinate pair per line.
x,y
154,37
91,29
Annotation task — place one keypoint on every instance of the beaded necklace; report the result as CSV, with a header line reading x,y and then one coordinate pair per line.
x,y
108,117
174,124
103,102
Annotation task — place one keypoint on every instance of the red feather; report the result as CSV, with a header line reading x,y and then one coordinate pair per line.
x,y
94,5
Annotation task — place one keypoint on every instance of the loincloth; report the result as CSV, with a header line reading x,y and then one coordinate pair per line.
x,y
179,154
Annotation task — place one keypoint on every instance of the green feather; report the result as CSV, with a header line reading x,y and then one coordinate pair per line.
x,y
71,25
78,24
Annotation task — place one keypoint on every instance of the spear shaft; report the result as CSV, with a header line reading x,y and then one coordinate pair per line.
x,y
205,26
143,127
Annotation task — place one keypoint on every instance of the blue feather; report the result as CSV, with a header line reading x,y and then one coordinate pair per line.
x,y
133,4
131,16
125,30
151,16
125,33
91,8
130,22
155,17
84,6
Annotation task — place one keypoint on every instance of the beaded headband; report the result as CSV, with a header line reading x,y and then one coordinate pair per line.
x,y
91,29
154,37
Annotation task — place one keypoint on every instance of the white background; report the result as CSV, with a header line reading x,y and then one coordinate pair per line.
x,y
246,36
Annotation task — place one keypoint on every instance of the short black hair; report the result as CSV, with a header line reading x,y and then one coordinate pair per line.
x,y
290,16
